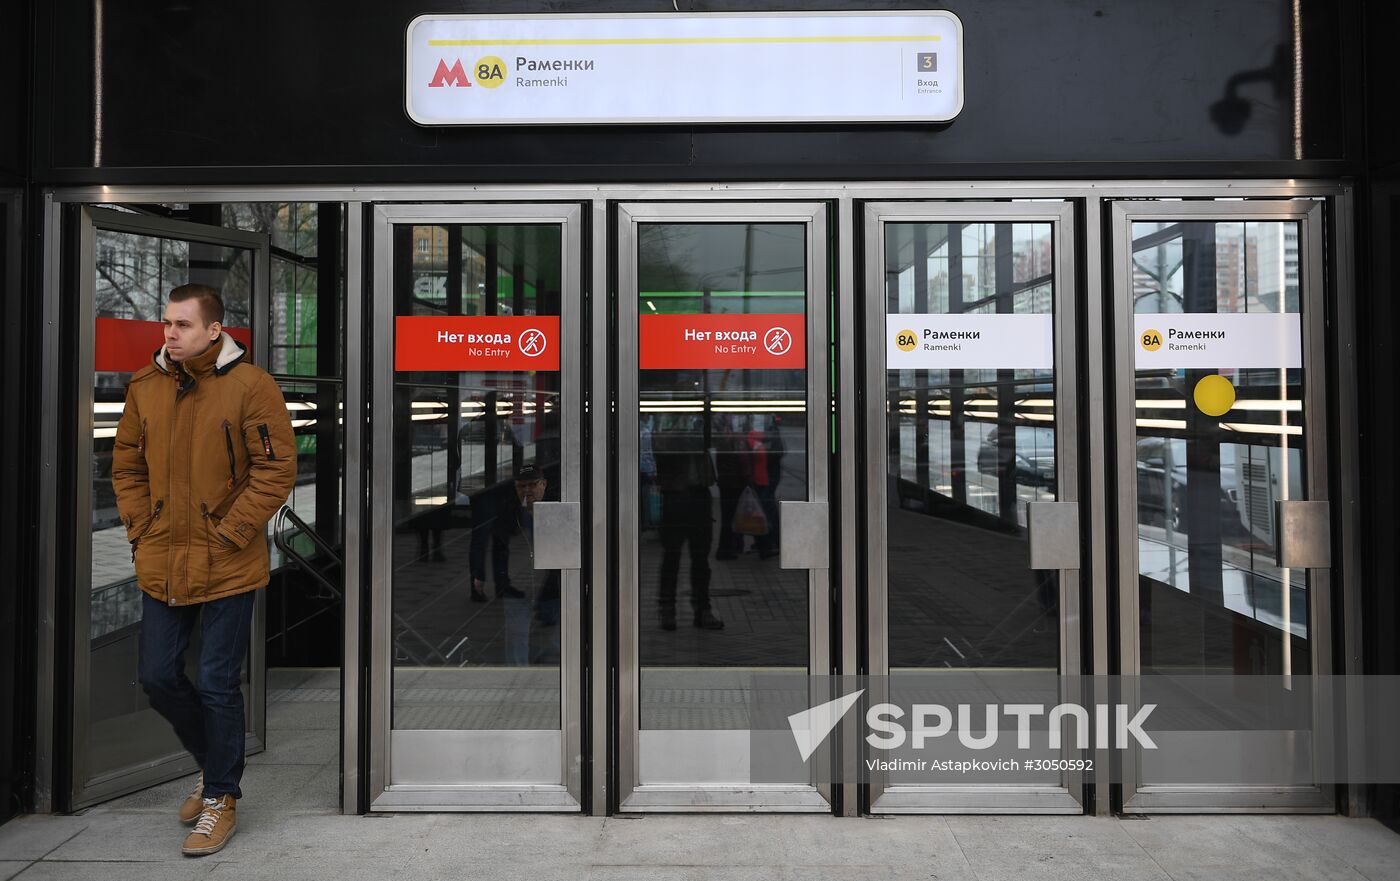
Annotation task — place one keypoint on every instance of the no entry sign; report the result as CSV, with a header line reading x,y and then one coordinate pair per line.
x,y
488,343
718,342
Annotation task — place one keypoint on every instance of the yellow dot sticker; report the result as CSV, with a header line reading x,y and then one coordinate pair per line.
x,y
1214,395
490,72
906,340
1151,340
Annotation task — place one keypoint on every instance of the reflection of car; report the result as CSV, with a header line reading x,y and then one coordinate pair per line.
x,y
1030,463
1152,486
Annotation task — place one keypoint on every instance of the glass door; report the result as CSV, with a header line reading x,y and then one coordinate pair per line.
x,y
723,427
972,445
475,486
128,263
1221,465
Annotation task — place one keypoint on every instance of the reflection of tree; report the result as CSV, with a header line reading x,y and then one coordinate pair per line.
x,y
133,272
293,229
114,287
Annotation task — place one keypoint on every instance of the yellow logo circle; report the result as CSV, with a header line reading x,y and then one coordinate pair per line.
x,y
490,72
906,340
1214,395
1151,340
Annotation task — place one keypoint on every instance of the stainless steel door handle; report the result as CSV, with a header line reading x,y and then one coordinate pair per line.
x,y
1303,535
805,541
1054,534
558,538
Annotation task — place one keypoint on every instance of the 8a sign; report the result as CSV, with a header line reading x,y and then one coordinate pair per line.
x,y
1218,340
491,71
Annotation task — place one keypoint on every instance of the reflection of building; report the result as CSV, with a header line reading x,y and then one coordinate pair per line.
x,y
1030,248
429,248
1254,264
1235,272
1276,266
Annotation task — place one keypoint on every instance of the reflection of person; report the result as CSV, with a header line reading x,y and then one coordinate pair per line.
x,y
512,541
204,456
646,460
685,475
493,517
766,451
732,477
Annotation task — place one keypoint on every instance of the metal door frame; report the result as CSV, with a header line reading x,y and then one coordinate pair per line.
x,y
1095,197
634,795
1308,214
989,798
90,220
384,795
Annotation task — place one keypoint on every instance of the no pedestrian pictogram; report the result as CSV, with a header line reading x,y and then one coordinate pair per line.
x,y
777,340
533,342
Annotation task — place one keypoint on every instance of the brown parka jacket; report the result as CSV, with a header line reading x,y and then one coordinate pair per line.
x,y
204,457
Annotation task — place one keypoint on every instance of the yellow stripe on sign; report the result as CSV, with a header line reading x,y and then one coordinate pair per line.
x,y
671,41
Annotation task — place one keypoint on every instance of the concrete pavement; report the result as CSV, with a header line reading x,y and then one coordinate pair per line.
x,y
140,842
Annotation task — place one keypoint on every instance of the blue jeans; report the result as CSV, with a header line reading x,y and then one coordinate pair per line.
x,y
208,717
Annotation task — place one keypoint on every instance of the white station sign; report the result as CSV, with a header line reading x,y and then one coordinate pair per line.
x,y
668,68
1216,341
970,342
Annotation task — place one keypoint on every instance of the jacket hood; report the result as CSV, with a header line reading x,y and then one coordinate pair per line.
x,y
229,355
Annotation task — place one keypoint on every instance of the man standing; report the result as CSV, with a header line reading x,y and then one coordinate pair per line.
x,y
512,545
204,456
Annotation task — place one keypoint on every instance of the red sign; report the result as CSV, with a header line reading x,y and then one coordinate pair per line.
x,y
123,345
718,342
449,76
461,343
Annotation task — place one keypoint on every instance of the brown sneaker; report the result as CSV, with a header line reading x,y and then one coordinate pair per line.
x,y
194,802
216,825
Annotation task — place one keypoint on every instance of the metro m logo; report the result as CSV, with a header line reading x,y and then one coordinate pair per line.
x,y
449,76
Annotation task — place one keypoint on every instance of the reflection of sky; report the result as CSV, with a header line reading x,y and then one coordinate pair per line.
x,y
1253,594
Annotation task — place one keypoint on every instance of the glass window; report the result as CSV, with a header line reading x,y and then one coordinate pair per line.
x,y
719,448
476,626
1208,473
968,449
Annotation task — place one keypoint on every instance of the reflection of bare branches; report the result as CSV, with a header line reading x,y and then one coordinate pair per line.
x,y
125,287
293,228
115,290
134,272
